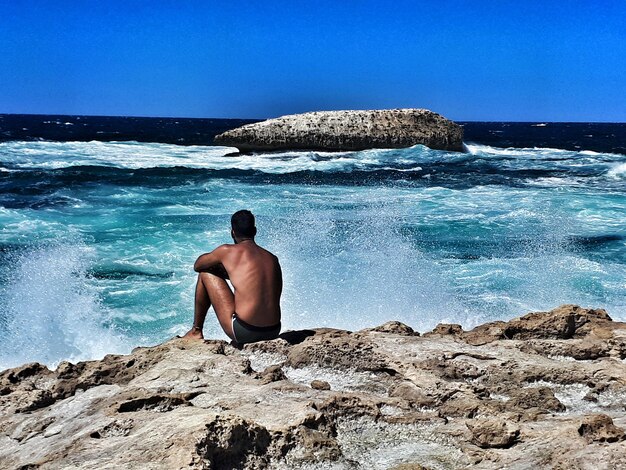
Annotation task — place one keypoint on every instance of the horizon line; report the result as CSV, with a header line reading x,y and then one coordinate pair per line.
x,y
267,118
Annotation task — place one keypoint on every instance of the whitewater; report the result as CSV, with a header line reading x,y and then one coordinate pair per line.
x,y
98,240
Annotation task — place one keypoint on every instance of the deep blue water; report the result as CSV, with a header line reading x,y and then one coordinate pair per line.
x,y
97,238
600,137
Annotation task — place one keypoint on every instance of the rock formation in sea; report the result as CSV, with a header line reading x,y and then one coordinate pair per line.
x,y
547,390
348,131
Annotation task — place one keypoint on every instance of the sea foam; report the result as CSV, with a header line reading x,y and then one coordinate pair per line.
x,y
50,312
617,171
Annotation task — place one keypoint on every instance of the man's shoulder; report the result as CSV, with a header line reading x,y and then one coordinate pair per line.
x,y
267,254
272,255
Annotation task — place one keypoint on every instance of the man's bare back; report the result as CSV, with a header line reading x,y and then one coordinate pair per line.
x,y
255,274
256,277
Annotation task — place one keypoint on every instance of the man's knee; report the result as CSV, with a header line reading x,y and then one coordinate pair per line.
x,y
211,282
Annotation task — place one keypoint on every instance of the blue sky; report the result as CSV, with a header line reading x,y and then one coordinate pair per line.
x,y
469,60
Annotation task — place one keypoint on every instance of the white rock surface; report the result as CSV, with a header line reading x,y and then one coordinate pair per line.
x,y
347,130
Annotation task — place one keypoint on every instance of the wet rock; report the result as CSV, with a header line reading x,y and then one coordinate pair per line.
x,y
410,392
396,328
461,405
541,398
337,350
30,429
349,405
320,385
457,365
118,428
112,369
216,346
12,377
561,323
409,466
347,130
273,373
600,428
486,333
564,322
34,400
161,403
493,433
447,329
234,443
585,349
317,445
451,397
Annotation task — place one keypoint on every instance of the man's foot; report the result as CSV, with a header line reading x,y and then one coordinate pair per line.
x,y
194,334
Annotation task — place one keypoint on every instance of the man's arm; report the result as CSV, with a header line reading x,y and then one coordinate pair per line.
x,y
211,262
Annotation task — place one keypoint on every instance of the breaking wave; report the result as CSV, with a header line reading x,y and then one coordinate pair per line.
x,y
97,239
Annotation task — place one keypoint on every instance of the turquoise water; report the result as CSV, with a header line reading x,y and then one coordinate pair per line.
x,y
98,239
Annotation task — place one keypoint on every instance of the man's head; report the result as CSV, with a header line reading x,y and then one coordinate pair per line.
x,y
242,224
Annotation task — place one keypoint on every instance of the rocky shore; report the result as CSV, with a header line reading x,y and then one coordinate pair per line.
x,y
347,131
547,390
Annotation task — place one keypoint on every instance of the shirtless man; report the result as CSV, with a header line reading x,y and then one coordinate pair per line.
x,y
252,313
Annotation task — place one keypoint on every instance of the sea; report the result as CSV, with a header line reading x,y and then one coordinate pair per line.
x,y
102,218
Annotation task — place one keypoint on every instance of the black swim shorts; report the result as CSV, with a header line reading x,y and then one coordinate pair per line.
x,y
246,333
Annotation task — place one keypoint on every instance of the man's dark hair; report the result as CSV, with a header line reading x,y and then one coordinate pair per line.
x,y
242,223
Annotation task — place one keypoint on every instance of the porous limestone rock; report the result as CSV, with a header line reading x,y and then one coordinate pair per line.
x,y
347,130
320,385
490,432
600,428
379,398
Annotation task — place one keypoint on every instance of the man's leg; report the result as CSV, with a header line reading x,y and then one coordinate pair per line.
x,y
212,290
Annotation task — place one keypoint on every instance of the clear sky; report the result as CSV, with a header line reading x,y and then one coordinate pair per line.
x,y
495,60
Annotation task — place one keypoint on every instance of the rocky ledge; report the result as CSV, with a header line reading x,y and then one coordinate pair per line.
x,y
544,390
347,130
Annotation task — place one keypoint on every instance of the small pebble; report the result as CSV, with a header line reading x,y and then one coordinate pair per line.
x,y
320,385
